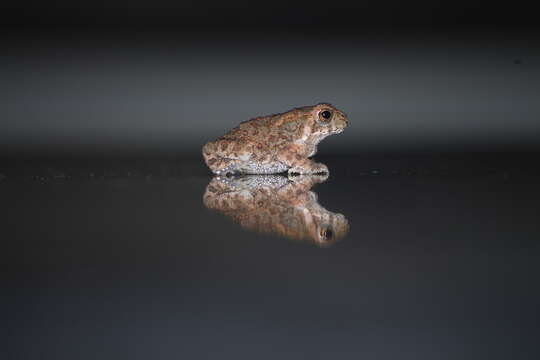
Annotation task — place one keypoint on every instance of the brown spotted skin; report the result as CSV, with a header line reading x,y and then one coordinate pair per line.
x,y
275,143
274,204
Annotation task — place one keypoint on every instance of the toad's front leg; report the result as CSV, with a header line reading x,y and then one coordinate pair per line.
x,y
298,163
308,167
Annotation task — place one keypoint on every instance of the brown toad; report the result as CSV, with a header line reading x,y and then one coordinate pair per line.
x,y
275,204
276,143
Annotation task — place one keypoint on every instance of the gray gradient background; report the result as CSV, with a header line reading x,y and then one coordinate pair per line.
x,y
430,93
113,257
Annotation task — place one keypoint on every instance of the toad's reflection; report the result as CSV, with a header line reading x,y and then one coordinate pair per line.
x,y
277,204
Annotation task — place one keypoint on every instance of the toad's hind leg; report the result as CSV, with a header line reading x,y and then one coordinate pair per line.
x,y
224,166
220,157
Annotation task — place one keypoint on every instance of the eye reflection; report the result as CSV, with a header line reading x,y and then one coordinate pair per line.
x,y
326,233
275,204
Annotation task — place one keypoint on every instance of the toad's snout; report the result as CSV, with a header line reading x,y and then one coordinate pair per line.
x,y
342,122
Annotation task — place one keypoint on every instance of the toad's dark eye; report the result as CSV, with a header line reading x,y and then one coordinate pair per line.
x,y
325,115
326,233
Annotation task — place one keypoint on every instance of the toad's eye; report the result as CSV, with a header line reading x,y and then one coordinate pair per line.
x,y
325,115
326,233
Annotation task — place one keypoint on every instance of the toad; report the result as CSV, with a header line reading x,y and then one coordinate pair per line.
x,y
276,143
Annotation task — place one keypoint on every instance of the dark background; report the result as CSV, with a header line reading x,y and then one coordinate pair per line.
x,y
169,76
108,251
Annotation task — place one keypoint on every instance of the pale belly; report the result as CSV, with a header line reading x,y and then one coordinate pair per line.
x,y
251,167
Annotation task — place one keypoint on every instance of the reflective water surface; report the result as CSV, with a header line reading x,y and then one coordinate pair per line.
x,y
155,259
277,204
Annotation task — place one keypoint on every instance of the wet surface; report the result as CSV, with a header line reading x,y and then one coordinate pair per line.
x,y
106,258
